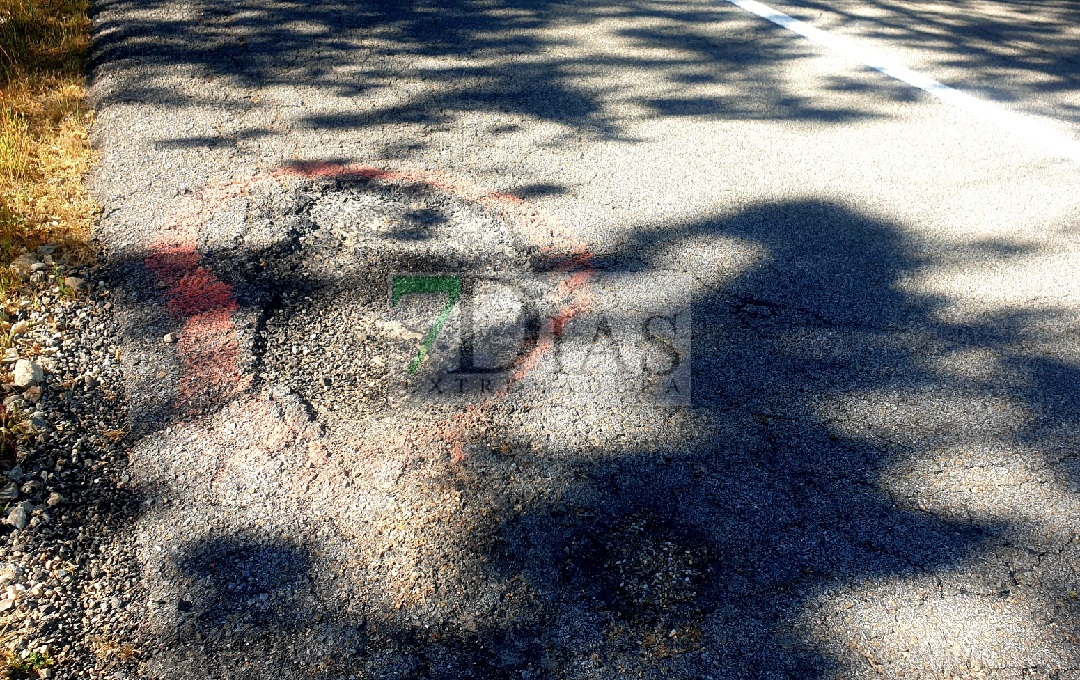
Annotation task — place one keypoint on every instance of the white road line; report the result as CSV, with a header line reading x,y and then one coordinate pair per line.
x,y
1040,132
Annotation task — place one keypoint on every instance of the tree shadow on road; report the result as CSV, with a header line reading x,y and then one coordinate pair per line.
x,y
410,68
656,540
1018,48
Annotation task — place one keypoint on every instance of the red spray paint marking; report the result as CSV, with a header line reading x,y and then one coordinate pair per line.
x,y
209,346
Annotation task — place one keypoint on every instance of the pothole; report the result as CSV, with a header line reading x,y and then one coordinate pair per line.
x,y
334,333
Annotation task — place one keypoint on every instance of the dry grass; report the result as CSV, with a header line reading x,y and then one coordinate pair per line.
x,y
44,151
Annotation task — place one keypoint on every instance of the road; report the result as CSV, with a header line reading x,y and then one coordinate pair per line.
x,y
597,340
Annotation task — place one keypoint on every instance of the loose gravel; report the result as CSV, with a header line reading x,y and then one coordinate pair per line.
x,y
71,589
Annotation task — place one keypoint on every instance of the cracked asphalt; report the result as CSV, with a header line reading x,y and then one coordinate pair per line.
x,y
528,339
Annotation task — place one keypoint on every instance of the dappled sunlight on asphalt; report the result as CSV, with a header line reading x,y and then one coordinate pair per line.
x,y
850,513
981,439
896,626
748,363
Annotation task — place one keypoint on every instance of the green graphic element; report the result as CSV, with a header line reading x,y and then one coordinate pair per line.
x,y
408,285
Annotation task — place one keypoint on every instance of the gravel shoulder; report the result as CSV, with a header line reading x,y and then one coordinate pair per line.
x,y
69,576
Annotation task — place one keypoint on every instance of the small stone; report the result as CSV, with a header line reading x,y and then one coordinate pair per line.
x,y
169,338
20,327
27,373
90,381
47,249
32,394
6,604
9,492
54,500
45,672
19,516
74,282
38,266
10,574
23,263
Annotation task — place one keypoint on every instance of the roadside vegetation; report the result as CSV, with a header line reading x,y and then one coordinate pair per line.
x,y
45,209
44,150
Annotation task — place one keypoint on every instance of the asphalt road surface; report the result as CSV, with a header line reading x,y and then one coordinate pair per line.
x,y
526,339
